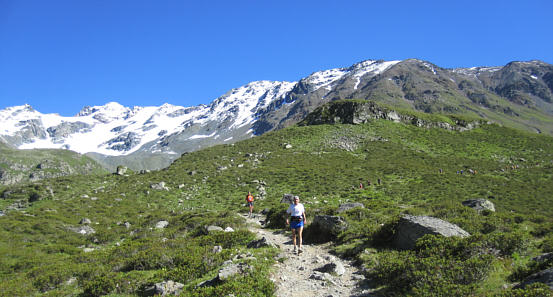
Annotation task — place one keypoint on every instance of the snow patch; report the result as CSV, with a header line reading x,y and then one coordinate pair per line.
x,y
371,68
202,136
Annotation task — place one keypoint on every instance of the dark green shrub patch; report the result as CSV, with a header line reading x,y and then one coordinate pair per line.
x,y
522,272
436,261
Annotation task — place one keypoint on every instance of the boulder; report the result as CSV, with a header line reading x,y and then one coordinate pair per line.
x,y
333,268
287,198
231,270
159,186
121,170
410,228
217,249
164,288
85,221
325,228
479,204
323,276
228,229
543,258
213,228
162,224
544,276
263,242
84,230
347,206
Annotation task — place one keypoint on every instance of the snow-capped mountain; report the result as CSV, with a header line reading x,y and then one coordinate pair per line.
x,y
115,130
153,136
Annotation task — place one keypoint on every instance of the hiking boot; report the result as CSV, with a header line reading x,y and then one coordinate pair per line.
x,y
300,251
295,250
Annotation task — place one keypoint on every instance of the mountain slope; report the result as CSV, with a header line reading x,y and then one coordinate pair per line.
x,y
517,95
49,252
20,166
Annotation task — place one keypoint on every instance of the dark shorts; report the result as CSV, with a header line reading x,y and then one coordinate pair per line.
x,y
249,203
296,224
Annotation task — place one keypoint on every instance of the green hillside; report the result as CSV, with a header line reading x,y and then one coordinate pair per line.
x,y
19,166
323,164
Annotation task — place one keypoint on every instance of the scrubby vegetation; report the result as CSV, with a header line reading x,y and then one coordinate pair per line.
x,y
421,172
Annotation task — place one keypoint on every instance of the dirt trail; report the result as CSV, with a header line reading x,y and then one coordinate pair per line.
x,y
303,274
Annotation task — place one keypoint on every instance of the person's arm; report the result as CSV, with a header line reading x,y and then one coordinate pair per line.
x,y
304,217
288,220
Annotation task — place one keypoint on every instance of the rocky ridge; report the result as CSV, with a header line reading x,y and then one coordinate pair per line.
x,y
519,94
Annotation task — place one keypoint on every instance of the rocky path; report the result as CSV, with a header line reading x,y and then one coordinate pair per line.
x,y
315,272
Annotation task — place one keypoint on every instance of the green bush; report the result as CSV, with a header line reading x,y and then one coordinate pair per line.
x,y
436,261
534,290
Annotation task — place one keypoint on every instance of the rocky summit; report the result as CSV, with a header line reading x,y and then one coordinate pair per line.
x,y
519,95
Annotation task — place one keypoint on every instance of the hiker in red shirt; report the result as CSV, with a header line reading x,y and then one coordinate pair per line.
x,y
249,202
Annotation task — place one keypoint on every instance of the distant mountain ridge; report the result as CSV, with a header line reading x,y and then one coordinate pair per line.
x,y
519,95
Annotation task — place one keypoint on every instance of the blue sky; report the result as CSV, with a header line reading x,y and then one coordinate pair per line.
x,y
60,56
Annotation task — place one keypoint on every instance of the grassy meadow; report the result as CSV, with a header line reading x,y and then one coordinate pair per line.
x,y
42,255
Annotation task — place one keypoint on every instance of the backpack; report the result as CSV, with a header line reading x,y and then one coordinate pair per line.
x,y
249,198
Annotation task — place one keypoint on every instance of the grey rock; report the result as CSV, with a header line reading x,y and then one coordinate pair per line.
x,y
333,268
159,186
84,230
121,170
263,242
209,283
213,228
479,204
228,229
217,249
287,198
323,276
325,228
543,258
162,224
124,142
544,276
410,228
347,206
65,129
2,213
164,288
231,270
85,221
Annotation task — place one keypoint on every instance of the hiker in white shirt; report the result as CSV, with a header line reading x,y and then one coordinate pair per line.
x,y
296,221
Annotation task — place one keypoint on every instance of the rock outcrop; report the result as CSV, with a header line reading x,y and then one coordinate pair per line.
x,y
410,228
325,228
544,276
263,242
164,289
359,112
287,198
479,204
347,206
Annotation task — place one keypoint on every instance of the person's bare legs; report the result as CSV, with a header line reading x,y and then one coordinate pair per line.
x,y
300,230
294,238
